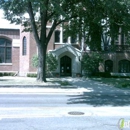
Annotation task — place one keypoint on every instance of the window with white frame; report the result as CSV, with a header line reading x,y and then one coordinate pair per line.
x,y
57,36
65,38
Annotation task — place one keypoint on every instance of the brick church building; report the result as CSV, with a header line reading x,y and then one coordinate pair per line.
x,y
17,49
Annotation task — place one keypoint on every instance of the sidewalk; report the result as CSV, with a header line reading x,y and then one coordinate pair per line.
x,y
26,84
30,85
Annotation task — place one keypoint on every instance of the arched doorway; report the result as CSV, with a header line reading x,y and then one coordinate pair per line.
x,y
65,66
108,66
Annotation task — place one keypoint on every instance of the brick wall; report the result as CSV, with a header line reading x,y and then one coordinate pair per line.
x,y
32,52
11,34
51,42
6,67
15,59
115,57
24,59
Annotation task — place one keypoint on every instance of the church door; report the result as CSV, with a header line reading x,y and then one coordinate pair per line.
x,y
65,66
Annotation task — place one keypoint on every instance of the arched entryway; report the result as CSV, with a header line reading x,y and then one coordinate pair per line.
x,y
65,66
108,66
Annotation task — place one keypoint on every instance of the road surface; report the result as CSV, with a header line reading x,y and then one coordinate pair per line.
x,y
62,111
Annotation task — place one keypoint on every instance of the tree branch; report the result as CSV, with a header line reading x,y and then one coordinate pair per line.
x,y
51,31
66,20
32,21
50,15
43,13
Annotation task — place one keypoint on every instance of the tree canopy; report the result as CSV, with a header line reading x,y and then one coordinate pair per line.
x,y
100,19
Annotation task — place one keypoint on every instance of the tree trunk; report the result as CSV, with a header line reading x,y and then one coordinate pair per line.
x,y
41,70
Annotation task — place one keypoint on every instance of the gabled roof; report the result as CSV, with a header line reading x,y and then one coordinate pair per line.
x,y
67,48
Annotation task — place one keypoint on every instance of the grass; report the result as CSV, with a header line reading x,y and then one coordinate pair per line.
x,y
55,82
62,83
116,82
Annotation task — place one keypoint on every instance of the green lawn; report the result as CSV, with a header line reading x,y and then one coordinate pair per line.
x,y
116,82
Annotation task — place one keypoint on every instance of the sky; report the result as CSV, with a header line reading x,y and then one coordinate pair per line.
x,y
5,23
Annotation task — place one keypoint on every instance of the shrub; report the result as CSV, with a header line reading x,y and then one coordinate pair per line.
x,y
90,62
51,63
1,74
125,85
8,74
102,74
35,61
31,75
64,83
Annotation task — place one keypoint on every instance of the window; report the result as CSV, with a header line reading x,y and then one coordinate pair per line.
x,y
124,66
73,40
57,36
108,66
65,39
5,51
24,46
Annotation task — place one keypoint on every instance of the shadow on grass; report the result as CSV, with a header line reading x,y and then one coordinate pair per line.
x,y
122,83
101,99
4,80
64,84
101,95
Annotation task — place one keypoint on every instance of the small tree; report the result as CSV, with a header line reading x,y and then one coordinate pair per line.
x,y
51,63
90,62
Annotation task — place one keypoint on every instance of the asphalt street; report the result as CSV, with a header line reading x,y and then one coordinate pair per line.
x,y
51,111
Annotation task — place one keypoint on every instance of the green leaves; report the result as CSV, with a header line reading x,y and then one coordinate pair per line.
x,y
35,61
90,62
57,5
13,10
51,62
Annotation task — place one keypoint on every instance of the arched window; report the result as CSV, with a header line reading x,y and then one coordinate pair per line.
x,y
24,51
57,36
108,66
5,51
124,66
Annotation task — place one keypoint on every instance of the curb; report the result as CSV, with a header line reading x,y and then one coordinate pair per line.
x,y
30,86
